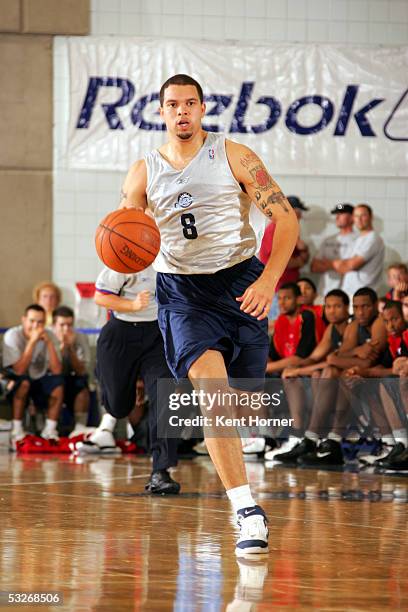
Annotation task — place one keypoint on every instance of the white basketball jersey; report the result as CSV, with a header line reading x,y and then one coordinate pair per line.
x,y
201,211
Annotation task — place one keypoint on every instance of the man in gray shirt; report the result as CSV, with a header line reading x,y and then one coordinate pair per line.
x,y
31,357
337,246
365,263
75,357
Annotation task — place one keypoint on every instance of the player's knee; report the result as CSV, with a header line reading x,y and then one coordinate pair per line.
x,y
58,392
23,389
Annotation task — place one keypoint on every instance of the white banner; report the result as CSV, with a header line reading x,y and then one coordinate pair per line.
x,y
305,109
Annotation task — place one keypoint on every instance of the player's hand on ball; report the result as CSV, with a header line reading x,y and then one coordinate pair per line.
x,y
257,299
141,301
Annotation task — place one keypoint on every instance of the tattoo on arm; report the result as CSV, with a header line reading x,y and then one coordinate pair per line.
x,y
273,199
262,181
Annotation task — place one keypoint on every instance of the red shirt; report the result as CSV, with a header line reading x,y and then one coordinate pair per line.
x,y
290,275
320,324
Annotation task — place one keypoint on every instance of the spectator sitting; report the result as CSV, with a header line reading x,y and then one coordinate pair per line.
x,y
76,357
364,340
397,281
364,265
308,296
337,310
335,247
300,255
390,391
295,334
31,357
47,295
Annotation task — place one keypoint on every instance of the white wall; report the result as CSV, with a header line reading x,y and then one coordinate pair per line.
x,y
82,198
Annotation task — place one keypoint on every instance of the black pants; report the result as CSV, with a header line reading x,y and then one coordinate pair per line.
x,y
125,351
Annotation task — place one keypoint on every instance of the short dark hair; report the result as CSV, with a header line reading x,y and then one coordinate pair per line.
x,y
367,291
366,206
292,287
394,304
181,79
340,294
308,281
62,311
35,307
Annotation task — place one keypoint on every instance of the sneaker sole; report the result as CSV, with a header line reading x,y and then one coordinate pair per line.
x,y
87,449
251,553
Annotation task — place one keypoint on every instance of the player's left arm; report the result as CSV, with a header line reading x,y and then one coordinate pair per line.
x,y
250,171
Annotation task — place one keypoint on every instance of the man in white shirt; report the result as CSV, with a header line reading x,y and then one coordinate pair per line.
x,y
365,263
337,246
31,358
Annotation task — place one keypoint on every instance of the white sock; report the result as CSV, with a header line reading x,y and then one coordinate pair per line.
x,y
334,436
17,426
241,497
400,435
50,425
108,422
311,435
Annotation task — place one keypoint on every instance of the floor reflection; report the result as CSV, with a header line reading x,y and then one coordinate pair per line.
x,y
87,529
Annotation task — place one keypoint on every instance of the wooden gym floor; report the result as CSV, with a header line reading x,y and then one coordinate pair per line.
x,y
87,530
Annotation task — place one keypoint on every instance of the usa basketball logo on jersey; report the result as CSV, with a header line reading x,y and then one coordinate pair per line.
x,y
184,200
211,153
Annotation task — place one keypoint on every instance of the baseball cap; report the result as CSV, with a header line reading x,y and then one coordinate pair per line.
x,y
296,202
342,208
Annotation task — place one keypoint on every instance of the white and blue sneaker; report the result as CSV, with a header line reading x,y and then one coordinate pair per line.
x,y
253,537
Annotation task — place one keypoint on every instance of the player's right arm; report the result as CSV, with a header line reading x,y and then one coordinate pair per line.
x,y
121,304
133,192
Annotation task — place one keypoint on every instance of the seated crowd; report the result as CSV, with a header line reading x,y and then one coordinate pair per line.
x,y
341,371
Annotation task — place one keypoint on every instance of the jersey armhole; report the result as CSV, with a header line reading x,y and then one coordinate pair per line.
x,y
240,187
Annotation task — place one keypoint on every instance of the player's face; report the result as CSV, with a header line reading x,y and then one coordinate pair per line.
x,y
335,309
364,309
48,299
62,326
33,320
308,293
287,301
344,220
362,218
404,303
394,323
182,111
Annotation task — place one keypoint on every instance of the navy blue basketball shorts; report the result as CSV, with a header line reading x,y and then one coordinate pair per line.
x,y
199,312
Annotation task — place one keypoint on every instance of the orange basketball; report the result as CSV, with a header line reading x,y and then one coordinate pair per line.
x,y
127,240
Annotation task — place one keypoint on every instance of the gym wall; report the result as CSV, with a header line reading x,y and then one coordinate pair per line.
x,y
26,97
81,198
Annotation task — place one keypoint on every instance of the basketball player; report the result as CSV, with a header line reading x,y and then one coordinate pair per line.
x,y
213,294
130,344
